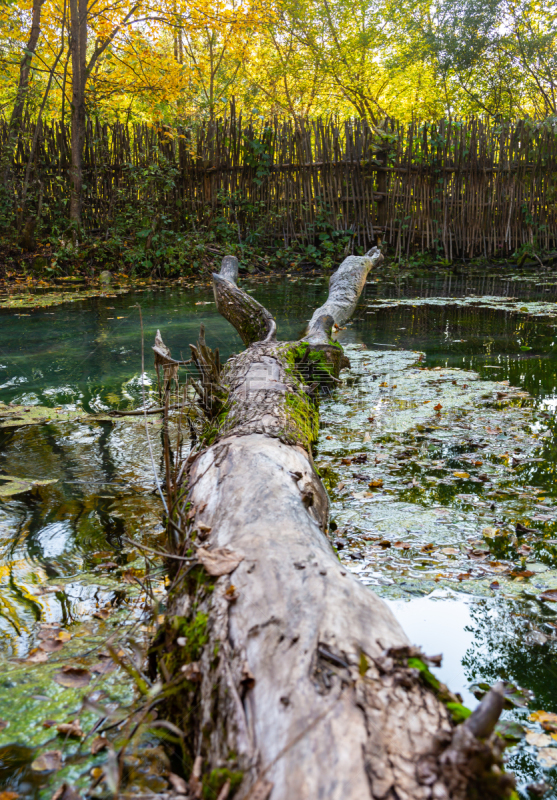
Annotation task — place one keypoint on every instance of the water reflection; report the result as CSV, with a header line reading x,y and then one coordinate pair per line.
x,y
62,548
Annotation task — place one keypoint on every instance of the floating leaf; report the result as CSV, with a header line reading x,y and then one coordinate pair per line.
x,y
73,677
48,762
376,483
51,645
99,743
547,719
66,792
463,475
72,729
510,730
10,486
539,739
548,757
37,657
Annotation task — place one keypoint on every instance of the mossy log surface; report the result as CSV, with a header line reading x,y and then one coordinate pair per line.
x,y
298,682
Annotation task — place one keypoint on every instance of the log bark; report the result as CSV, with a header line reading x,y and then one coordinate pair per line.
x,y
292,680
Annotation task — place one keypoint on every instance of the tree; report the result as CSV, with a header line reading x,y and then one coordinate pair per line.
x,y
16,117
106,29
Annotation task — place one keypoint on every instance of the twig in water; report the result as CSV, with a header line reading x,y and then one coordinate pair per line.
x,y
157,552
145,411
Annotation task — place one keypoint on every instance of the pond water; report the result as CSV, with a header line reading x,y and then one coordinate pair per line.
x,y
439,443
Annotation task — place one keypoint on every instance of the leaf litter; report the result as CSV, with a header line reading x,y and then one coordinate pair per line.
x,y
475,523
453,461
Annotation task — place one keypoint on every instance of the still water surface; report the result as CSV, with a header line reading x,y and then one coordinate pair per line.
x,y
87,356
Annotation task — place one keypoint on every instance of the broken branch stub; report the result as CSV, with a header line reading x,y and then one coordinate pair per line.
x,y
252,320
345,288
304,684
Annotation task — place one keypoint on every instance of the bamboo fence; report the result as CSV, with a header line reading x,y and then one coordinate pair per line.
x,y
461,188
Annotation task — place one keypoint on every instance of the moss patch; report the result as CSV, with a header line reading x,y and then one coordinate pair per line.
x,y
213,783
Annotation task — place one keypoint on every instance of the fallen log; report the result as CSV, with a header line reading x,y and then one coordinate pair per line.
x,y
292,680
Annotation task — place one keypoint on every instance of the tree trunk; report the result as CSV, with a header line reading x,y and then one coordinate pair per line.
x,y
78,15
14,126
290,679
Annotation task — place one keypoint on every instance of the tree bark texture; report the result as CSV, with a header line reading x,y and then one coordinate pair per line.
x,y
22,88
78,46
298,682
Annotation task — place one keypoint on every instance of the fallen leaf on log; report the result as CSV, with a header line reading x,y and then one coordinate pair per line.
x,y
220,561
72,729
194,783
231,594
73,677
178,784
204,530
192,672
225,791
48,762
8,795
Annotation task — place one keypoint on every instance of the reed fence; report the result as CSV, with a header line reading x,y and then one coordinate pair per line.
x,y
462,188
